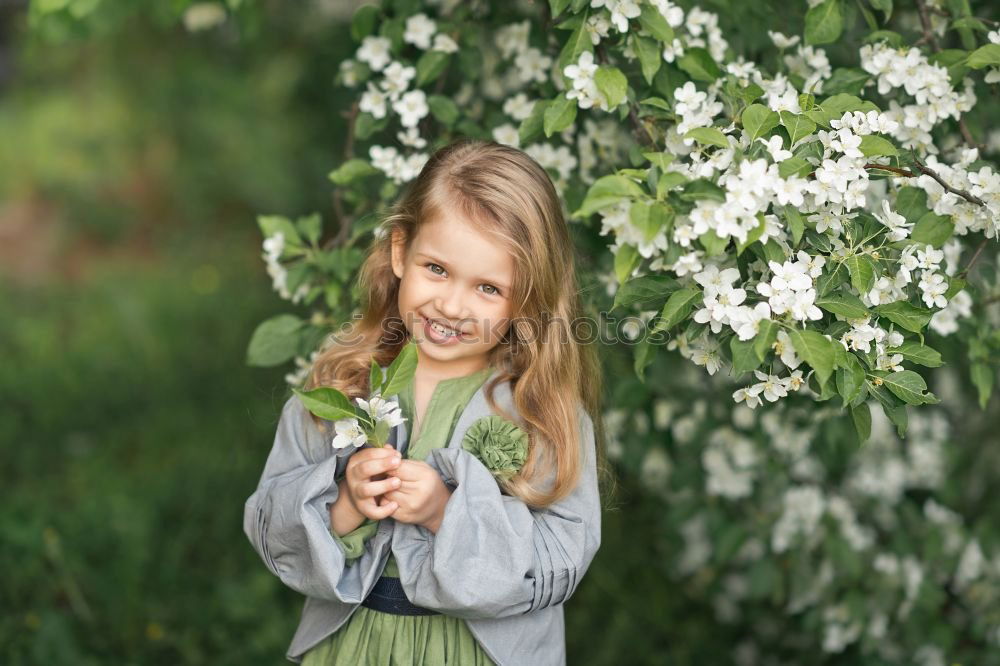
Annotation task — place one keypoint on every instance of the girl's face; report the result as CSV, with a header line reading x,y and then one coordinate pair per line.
x,y
460,278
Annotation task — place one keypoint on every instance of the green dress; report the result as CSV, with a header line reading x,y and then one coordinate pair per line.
x,y
370,637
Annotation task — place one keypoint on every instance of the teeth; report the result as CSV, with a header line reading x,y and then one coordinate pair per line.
x,y
443,331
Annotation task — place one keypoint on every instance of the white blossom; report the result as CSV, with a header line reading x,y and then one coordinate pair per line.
x,y
419,31
375,52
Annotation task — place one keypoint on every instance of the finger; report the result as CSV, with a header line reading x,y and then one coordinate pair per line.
x,y
370,468
374,453
378,487
363,468
379,512
409,470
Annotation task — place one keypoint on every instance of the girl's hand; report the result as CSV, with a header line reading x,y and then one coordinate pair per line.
x,y
421,497
366,481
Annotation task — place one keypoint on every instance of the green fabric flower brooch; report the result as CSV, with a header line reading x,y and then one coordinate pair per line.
x,y
499,444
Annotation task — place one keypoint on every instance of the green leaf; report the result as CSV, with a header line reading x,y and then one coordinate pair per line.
x,y
660,160
444,109
955,285
363,22
862,418
669,181
830,279
652,21
274,341
933,229
850,80
758,120
752,236
272,224
908,386
824,23
798,126
400,372
578,42
649,56
794,166
911,203
815,350
744,357
862,272
326,403
607,191
918,353
795,222
713,244
532,126
559,114
850,378
658,102
645,292
677,308
352,170
375,377
626,259
982,378
844,304
644,352
612,84
310,226
883,6
703,189
984,56
556,7
841,103
872,144
767,333
904,314
774,252
429,66
699,65
380,434
641,217
708,136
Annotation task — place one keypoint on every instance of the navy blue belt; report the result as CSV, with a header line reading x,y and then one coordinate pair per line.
x,y
388,597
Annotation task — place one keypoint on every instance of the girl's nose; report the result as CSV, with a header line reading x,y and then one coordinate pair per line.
x,y
449,304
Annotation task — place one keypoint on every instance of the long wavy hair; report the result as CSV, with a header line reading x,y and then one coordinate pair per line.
x,y
511,197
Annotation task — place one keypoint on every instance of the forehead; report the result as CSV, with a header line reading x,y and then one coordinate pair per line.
x,y
466,247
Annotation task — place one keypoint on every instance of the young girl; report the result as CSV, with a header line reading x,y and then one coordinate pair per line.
x,y
460,543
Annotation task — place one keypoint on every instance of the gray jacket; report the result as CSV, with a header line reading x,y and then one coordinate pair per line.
x,y
502,567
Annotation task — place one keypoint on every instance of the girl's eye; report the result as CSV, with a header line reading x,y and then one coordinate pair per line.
x,y
433,266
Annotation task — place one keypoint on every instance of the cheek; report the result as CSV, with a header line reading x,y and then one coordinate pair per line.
x,y
497,318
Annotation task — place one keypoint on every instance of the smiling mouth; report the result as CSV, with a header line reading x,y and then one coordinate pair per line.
x,y
445,331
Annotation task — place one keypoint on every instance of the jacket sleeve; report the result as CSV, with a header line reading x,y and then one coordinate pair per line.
x,y
353,543
493,556
287,518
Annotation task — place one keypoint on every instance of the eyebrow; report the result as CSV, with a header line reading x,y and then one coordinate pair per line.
x,y
444,264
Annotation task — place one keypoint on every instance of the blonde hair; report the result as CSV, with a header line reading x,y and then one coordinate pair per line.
x,y
512,197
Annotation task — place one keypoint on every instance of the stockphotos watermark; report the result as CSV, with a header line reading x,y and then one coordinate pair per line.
x,y
606,329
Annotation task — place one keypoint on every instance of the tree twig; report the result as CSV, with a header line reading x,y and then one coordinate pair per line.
x,y
344,222
971,198
925,23
975,255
